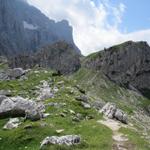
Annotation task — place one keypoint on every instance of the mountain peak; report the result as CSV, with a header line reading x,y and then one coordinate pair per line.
x,y
25,28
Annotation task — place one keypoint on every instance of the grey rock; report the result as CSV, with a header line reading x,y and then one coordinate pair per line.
x,y
76,119
86,105
12,74
45,92
3,76
2,97
121,116
18,106
24,28
60,56
12,123
82,98
127,64
15,73
111,111
98,104
63,140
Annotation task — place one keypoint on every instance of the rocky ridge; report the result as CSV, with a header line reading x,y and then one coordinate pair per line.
x,y
127,64
59,56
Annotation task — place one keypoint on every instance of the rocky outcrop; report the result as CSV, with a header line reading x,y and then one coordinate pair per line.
x,y
60,56
127,64
23,28
111,111
45,92
12,123
15,73
20,107
12,74
63,140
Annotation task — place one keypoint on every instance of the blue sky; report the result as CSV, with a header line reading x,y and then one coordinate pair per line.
x,y
136,15
100,23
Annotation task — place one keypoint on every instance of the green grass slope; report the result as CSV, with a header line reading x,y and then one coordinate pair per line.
x,y
94,136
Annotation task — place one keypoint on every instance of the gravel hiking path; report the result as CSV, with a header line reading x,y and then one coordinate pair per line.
x,y
120,141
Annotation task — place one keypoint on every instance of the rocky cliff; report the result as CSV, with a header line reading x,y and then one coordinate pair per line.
x,y
24,28
127,64
59,56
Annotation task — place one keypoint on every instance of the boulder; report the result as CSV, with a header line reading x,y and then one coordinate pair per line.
x,y
45,92
12,74
121,116
20,107
111,111
12,123
82,98
86,105
98,104
63,140
15,73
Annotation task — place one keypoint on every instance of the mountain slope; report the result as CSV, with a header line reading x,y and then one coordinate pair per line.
x,y
25,28
101,89
127,64
59,56
69,116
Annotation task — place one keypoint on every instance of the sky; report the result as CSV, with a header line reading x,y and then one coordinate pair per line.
x,y
98,24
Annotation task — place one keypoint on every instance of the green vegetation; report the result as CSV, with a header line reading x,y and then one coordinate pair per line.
x,y
98,85
94,135
135,139
29,134
25,87
3,65
93,56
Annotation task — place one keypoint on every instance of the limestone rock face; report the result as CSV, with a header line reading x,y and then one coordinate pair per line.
x,y
127,64
18,106
59,56
111,111
24,28
66,140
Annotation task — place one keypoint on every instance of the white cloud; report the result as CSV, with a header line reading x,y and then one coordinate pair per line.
x,y
95,26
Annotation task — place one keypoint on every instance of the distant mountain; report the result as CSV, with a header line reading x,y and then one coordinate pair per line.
x,y
127,64
24,28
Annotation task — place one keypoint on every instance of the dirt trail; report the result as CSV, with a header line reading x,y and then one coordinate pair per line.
x,y
120,141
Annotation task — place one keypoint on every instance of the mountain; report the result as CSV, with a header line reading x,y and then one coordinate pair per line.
x,y
24,28
127,64
66,105
84,110
59,56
